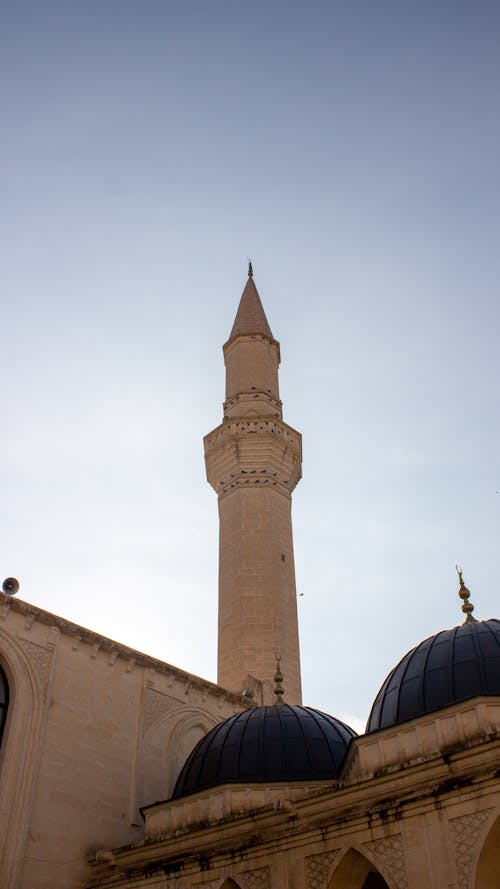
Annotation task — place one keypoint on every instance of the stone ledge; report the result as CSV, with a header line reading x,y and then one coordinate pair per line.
x,y
114,649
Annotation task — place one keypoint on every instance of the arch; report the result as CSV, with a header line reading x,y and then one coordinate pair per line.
x,y
4,700
355,871
19,754
488,866
229,883
184,738
165,747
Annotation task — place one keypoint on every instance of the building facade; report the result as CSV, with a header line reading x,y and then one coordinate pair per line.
x,y
119,770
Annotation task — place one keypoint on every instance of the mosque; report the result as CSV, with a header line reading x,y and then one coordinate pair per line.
x,y
119,770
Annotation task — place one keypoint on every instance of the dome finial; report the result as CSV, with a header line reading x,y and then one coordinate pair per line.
x,y
250,269
279,691
464,594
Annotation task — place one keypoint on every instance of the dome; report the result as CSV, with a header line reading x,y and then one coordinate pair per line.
x,y
451,666
267,744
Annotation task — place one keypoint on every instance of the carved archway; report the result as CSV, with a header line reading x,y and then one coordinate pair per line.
x,y
21,744
165,746
488,866
355,871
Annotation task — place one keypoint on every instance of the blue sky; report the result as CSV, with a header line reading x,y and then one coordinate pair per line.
x,y
352,151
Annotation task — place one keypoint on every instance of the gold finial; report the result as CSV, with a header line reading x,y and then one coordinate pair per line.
x,y
250,269
464,594
279,691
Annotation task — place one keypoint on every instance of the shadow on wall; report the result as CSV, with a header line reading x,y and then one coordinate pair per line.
x,y
488,867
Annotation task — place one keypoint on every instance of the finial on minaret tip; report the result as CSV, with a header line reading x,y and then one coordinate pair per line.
x,y
250,269
464,594
279,691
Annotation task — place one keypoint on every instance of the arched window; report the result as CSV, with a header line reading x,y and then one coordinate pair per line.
x,y
4,700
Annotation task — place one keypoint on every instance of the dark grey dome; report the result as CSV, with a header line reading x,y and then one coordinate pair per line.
x,y
267,744
451,666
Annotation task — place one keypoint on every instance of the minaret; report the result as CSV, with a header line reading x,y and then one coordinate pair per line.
x,y
253,462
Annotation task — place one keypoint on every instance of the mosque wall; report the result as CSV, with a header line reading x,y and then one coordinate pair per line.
x,y
94,730
433,823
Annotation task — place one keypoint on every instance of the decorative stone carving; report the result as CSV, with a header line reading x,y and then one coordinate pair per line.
x,y
390,853
52,637
155,705
319,869
255,879
41,659
465,831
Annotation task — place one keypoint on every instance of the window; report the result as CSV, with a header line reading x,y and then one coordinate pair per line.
x,y
4,700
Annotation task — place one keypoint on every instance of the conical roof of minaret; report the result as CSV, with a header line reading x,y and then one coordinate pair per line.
x,y
250,317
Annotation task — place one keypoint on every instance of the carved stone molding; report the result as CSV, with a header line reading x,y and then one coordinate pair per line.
x,y
249,879
319,869
41,659
389,852
155,705
465,831
255,879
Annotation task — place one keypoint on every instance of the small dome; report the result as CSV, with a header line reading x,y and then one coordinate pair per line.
x,y
451,666
267,744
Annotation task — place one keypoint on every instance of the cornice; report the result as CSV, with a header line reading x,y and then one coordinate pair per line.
x,y
31,614
326,813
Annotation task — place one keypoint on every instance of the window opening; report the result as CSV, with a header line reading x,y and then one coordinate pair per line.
x,y
4,701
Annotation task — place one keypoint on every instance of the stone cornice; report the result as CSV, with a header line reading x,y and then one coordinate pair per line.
x,y
31,613
448,732
244,426
234,340
322,814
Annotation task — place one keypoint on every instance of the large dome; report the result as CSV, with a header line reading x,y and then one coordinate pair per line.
x,y
267,744
451,666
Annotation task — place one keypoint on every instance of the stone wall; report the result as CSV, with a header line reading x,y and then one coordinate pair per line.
x,y
94,731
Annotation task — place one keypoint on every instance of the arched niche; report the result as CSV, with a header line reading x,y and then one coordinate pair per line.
x,y
355,871
229,883
19,754
488,866
165,748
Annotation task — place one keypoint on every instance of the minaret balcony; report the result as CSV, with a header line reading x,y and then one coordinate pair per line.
x,y
253,452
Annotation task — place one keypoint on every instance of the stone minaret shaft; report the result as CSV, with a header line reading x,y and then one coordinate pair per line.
x,y
253,462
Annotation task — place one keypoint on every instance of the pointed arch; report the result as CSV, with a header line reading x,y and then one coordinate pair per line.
x,y
19,755
163,749
355,871
4,700
488,866
229,883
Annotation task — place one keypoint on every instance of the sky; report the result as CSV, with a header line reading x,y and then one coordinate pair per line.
x,y
352,151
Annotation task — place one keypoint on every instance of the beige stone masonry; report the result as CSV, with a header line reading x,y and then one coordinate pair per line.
x,y
255,451
254,461
94,730
429,824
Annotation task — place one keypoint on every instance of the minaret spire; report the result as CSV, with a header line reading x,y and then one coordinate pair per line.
x,y
250,317
253,462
